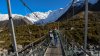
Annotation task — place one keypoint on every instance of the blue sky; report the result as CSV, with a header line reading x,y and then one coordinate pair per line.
x,y
35,5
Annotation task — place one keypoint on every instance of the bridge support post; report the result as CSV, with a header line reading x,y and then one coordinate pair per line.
x,y
72,47
33,50
66,47
86,26
11,26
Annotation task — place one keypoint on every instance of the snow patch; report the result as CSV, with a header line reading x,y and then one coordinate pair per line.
x,y
46,17
50,16
4,17
93,1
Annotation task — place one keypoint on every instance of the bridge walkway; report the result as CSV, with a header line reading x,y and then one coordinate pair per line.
x,y
54,51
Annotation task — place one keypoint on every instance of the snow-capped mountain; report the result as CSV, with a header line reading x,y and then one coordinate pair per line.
x,y
18,20
50,16
79,6
90,1
80,2
4,17
37,16
93,1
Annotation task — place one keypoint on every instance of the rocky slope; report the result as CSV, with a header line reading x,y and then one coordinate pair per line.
x,y
80,8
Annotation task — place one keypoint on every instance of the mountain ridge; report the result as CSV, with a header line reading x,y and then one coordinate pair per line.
x,y
77,9
57,15
17,19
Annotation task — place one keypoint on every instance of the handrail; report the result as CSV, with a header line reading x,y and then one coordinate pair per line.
x,y
79,47
83,50
37,47
32,44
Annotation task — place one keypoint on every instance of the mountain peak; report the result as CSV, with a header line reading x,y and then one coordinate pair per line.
x,y
5,16
49,16
93,1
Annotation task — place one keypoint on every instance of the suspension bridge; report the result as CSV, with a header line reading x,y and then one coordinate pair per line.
x,y
46,46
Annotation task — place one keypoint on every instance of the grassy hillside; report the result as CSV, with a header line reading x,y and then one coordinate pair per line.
x,y
73,28
25,34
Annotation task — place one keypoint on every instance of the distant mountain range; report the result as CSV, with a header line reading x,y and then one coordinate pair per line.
x,y
94,5
51,16
18,20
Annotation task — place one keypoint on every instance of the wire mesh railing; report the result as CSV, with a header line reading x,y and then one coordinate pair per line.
x,y
73,49
37,48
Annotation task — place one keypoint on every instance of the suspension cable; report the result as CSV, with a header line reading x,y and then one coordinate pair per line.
x,y
29,9
26,5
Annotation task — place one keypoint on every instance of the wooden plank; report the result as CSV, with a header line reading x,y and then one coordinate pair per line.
x,y
54,51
